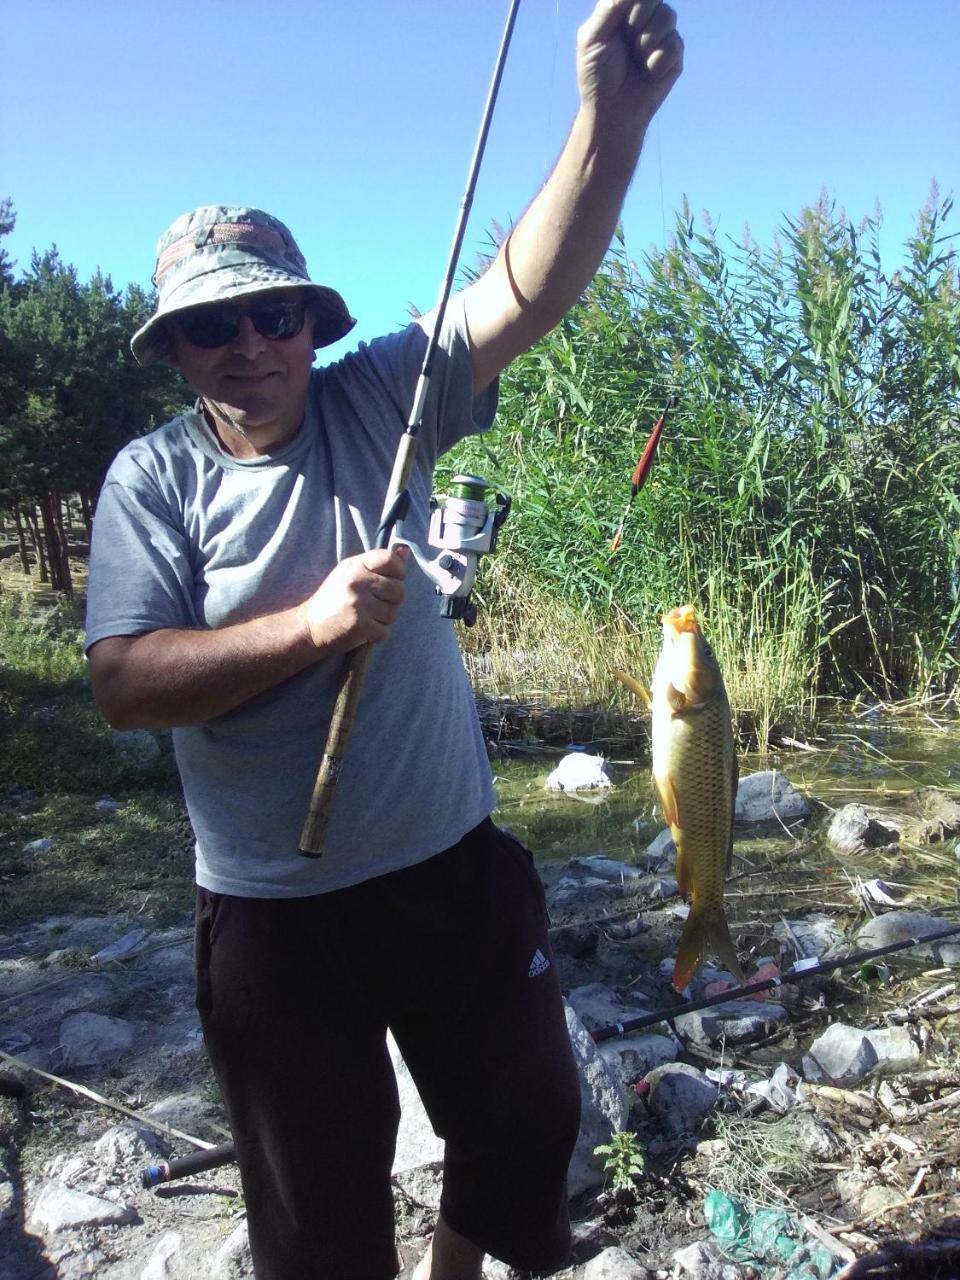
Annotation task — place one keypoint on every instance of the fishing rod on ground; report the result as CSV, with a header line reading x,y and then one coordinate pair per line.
x,y
201,1161
801,970
462,528
182,1166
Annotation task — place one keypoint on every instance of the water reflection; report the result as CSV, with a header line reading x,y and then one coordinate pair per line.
x,y
875,758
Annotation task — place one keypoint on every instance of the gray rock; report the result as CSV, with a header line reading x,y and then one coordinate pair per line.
x,y
767,797
232,1261
877,1198
604,1107
125,947
614,1264
417,1144
161,1265
661,849
815,936
422,1186
125,1148
704,1262
580,890
664,888
191,1113
43,845
9,1199
91,1039
841,1056
896,1050
106,805
680,1098
736,1022
61,1208
900,926
75,1260
598,1005
137,746
633,1057
813,1135
852,830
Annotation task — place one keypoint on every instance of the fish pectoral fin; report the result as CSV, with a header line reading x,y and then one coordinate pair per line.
x,y
676,699
680,704
668,800
633,685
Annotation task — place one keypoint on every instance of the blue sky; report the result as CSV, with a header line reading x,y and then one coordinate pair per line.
x,y
354,123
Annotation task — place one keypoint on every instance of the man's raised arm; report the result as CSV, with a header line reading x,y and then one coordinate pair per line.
x,y
629,55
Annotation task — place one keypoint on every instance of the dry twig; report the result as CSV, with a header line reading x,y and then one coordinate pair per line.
x,y
157,1125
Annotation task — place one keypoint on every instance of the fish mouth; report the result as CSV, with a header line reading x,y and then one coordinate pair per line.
x,y
682,619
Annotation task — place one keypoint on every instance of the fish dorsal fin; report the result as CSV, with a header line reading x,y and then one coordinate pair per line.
x,y
633,685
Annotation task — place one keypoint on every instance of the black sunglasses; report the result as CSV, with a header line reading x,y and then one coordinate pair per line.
x,y
216,323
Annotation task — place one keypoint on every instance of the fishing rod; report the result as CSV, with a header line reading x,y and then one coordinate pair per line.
x,y
395,504
802,969
181,1166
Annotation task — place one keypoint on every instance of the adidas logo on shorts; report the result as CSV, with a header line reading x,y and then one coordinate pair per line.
x,y
539,964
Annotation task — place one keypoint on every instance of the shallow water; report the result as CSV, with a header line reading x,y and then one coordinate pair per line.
x,y
874,758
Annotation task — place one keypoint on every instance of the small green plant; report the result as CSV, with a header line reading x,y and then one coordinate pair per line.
x,y
624,1161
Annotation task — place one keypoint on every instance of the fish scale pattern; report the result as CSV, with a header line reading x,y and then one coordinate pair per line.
x,y
701,763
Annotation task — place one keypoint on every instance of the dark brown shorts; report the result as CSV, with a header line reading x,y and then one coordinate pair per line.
x,y
296,995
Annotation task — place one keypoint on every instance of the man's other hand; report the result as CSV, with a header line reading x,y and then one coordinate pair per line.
x,y
629,56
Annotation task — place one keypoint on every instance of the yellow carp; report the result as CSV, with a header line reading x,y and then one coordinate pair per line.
x,y
695,772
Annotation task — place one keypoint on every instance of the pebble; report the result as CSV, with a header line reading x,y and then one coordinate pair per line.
x,y
614,1263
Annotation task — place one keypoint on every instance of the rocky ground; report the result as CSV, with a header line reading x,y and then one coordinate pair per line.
x,y
806,1133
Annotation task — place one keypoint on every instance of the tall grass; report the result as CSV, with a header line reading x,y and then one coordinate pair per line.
x,y
807,491
47,648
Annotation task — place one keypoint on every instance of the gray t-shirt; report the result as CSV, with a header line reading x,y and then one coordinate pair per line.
x,y
187,536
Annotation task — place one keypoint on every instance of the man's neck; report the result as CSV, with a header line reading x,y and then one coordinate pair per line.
x,y
242,442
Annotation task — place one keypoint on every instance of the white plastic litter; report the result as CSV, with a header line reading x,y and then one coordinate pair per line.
x,y
579,772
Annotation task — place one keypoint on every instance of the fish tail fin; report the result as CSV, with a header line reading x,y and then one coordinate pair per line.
x,y
704,935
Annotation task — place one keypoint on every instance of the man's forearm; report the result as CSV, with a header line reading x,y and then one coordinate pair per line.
x,y
167,678
554,251
629,55
174,677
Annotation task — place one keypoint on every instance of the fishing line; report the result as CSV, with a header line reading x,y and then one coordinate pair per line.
x,y
663,216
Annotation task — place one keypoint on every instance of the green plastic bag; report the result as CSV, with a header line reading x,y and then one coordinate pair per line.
x,y
726,1217
771,1234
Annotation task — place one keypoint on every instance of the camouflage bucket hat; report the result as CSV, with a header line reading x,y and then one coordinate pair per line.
x,y
220,252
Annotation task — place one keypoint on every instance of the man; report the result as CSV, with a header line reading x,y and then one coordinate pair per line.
x,y
231,570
